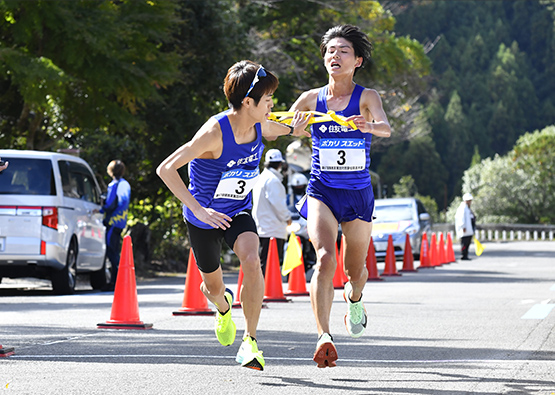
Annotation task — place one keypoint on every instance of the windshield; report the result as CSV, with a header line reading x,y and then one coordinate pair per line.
x,y
394,213
26,176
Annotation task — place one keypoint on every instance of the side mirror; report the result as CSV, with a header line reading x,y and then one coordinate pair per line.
x,y
424,217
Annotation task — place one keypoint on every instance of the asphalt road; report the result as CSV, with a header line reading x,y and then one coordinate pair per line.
x,y
484,326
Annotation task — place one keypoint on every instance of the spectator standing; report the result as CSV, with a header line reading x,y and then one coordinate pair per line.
x,y
465,224
269,208
115,209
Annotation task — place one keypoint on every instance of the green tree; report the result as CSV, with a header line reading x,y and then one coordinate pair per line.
x,y
78,66
517,187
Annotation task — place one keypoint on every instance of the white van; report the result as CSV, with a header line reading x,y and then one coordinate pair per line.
x,y
50,226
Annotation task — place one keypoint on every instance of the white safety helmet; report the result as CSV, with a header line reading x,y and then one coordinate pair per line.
x,y
467,196
298,179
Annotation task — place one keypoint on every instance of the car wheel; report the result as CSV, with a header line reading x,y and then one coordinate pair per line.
x,y
102,277
63,281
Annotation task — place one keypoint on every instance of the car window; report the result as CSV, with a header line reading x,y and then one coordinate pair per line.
x,y
394,213
420,206
26,176
78,182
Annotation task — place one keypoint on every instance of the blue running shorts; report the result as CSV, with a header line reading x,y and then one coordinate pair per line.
x,y
345,204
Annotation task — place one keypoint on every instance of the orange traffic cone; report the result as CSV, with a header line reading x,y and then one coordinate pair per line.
x,y
6,351
344,277
408,259
425,253
390,261
194,301
296,285
273,287
237,302
125,307
433,251
450,253
372,263
441,250
338,277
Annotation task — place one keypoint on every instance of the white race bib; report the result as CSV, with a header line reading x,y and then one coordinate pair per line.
x,y
342,154
236,184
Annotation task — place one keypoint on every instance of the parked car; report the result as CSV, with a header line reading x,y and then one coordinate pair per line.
x,y
50,225
399,217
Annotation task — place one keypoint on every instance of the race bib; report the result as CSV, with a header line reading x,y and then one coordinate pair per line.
x,y
236,184
342,154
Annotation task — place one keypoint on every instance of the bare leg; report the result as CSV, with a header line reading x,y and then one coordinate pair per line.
x,y
322,229
213,288
252,290
357,240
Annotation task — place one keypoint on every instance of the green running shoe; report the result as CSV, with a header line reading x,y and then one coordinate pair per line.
x,y
225,327
249,356
355,319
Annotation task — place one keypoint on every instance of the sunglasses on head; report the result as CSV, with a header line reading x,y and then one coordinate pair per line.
x,y
259,73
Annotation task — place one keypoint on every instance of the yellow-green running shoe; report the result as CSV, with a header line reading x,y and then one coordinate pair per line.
x,y
225,327
249,356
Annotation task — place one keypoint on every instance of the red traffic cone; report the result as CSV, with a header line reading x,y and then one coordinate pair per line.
x,y
125,307
194,301
372,263
237,302
296,286
273,287
441,250
450,253
408,259
6,351
338,277
390,261
425,253
433,251
344,277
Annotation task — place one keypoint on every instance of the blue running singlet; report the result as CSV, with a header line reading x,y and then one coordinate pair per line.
x,y
224,184
340,156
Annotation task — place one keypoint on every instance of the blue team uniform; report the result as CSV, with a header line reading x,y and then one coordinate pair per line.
x,y
340,174
224,184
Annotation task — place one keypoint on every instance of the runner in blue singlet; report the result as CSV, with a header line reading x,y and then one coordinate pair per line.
x,y
339,190
223,159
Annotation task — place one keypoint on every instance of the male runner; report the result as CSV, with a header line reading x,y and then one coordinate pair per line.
x,y
339,190
223,159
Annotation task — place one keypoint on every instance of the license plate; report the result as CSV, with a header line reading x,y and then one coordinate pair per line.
x,y
380,246
2,243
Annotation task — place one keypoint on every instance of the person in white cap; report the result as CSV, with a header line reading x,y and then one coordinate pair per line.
x,y
269,208
465,223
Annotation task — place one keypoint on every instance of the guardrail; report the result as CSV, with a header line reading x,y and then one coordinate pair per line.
x,y
504,232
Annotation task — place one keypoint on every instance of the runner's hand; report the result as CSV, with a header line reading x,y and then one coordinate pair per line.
x,y
300,122
214,218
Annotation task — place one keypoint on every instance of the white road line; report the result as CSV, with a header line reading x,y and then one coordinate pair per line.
x,y
538,311
370,361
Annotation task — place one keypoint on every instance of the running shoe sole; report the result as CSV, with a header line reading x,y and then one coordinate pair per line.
x,y
326,355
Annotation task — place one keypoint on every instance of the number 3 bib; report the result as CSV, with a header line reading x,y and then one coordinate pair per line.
x,y
342,154
236,184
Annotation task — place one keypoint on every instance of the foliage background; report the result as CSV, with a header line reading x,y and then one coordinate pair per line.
x,y
462,83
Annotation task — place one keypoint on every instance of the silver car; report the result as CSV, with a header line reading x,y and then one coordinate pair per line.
x,y
50,226
399,217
